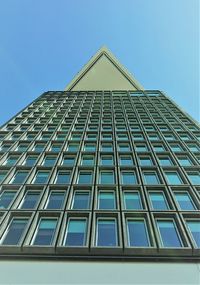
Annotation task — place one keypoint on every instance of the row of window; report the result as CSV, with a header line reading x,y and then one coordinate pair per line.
x,y
106,232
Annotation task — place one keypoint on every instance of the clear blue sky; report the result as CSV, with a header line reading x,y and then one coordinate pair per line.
x,y
44,43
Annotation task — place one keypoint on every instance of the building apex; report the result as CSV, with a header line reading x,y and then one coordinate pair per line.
x,y
103,72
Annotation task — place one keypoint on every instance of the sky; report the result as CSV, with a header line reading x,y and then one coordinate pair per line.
x,y
44,43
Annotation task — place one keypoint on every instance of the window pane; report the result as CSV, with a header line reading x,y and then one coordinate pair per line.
x,y
19,177
106,160
55,200
184,161
14,231
107,200
49,161
194,178
107,177
158,201
30,200
45,232
151,178
146,161
126,160
173,178
137,233
194,227
85,178
128,178
88,160
68,160
107,232
63,177
132,201
30,160
6,198
165,161
41,177
184,201
168,234
76,232
81,200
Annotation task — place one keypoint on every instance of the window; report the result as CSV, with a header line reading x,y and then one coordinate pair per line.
x,y
126,160
81,200
124,147
68,160
41,177
2,175
11,160
158,148
106,200
106,147
106,234
194,228
22,147
158,201
184,201
63,177
106,160
73,147
146,161
151,178
141,148
168,233
137,233
19,177
56,147
173,178
30,160
85,177
76,232
49,160
176,148
165,161
128,177
14,231
39,147
132,201
184,161
90,147
6,198
55,200
30,200
194,177
87,160
107,177
45,232
193,148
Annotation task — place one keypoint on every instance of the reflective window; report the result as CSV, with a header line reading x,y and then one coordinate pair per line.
x,y
146,161
6,197
49,160
11,160
184,161
56,147
30,160
137,233
45,232
106,233
151,178
55,200
126,160
85,177
165,161
128,177
194,177
106,200
158,201
132,201
124,147
173,178
30,200
73,147
184,201
63,177
87,160
81,200
14,231
106,160
41,177
107,177
194,228
90,147
169,236
2,175
19,177
106,147
76,232
68,160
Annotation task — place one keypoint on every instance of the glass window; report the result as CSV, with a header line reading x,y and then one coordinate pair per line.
x,y
87,160
14,231
90,147
141,148
63,177
126,160
158,201
176,148
137,233
6,198
132,201
55,200
146,161
151,178
2,175
106,160
81,200
56,147
19,177
85,177
194,177
184,161
173,178
22,147
45,232
169,236
184,201
49,160
30,160
158,148
11,160
39,147
106,147
193,147
73,147
76,232
106,200
107,177
106,234
41,177
194,228
165,161
30,200
128,177
124,147
68,160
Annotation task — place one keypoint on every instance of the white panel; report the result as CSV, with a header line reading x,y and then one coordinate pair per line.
x,y
63,272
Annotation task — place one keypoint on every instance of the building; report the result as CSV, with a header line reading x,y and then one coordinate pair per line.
x,y
100,184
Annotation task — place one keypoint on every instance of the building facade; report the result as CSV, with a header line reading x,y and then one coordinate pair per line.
x,y
101,177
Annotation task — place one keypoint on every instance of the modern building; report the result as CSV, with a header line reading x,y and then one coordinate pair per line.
x,y
100,184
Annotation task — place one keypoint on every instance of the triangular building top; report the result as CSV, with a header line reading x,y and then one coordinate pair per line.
x,y
103,72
